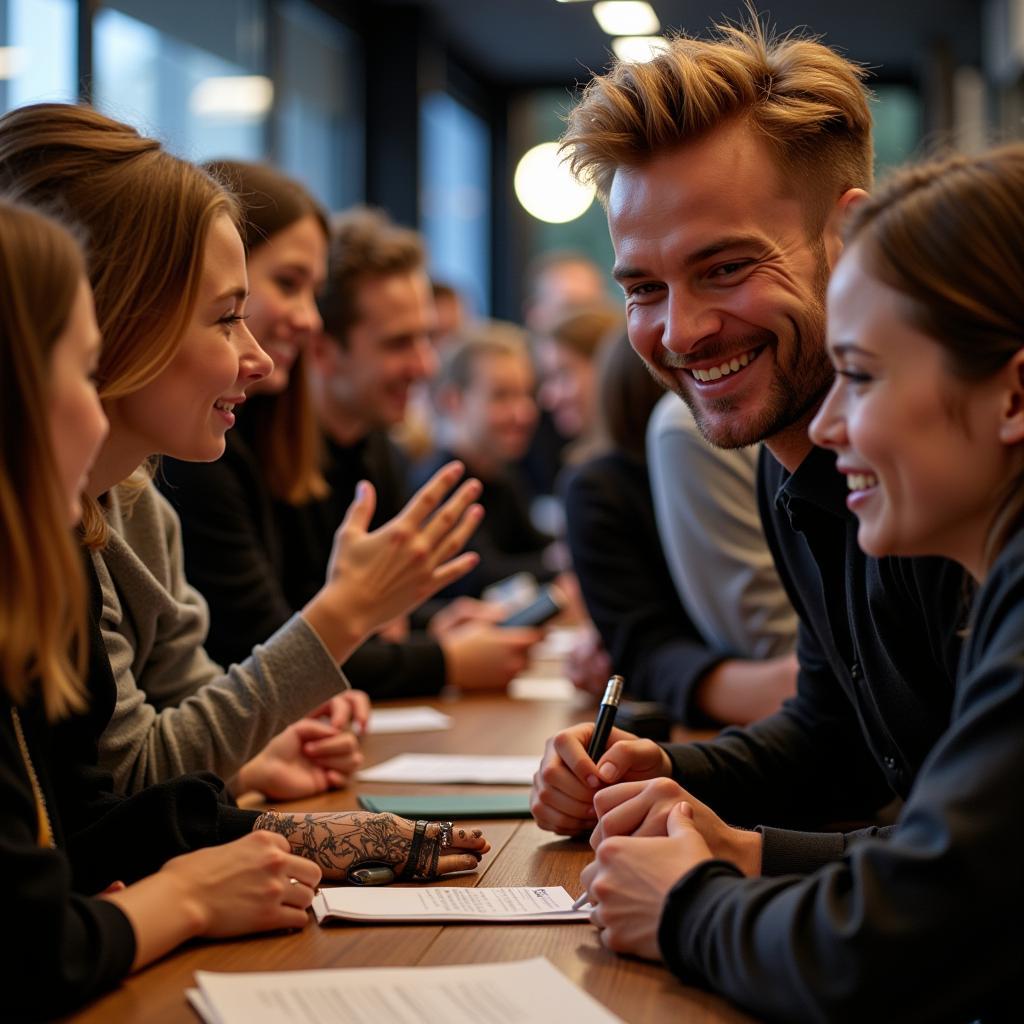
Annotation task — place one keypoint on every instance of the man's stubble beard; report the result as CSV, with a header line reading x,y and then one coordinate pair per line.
x,y
792,394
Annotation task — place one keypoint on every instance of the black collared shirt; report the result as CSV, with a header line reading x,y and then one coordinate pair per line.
x,y
878,646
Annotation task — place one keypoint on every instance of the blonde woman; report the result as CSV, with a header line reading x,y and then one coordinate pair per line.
x,y
168,270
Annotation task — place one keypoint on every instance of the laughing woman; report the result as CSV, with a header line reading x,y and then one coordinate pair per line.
x,y
926,417
168,271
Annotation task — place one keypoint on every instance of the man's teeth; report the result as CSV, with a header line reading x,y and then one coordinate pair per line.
x,y
861,481
224,406
716,372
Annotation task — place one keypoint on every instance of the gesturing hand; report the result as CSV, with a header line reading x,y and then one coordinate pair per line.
x,y
630,878
398,566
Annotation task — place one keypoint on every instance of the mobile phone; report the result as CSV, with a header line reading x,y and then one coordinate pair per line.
x,y
550,602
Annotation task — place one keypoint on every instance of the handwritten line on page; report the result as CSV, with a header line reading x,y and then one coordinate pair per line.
x,y
436,768
416,719
448,904
520,992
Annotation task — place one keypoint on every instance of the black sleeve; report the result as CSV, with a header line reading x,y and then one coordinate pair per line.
x,y
414,668
630,597
226,555
62,948
923,925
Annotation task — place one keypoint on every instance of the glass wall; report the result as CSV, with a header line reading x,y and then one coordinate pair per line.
x,y
192,73
455,189
318,114
38,52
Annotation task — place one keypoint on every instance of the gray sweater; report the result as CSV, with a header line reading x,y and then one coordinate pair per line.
x,y
177,710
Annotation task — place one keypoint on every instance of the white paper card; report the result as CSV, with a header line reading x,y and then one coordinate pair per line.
x,y
545,688
448,903
438,768
520,992
417,719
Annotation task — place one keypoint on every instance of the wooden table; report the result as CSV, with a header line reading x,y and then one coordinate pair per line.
x,y
522,855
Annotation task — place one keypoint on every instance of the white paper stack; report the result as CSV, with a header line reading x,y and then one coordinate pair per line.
x,y
522,992
449,904
437,768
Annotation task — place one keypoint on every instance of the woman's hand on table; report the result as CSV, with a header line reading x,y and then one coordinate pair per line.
x,y
645,809
630,878
336,841
348,709
307,758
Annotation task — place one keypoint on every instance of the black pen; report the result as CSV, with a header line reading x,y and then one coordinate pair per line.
x,y
605,717
602,730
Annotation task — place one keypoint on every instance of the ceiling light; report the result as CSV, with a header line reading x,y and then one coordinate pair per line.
x,y
627,18
546,187
639,49
245,96
13,60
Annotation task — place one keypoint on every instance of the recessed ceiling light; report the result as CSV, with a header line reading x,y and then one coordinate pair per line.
x,y
639,49
627,18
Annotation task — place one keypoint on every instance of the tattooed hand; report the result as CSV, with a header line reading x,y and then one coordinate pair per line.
x,y
337,840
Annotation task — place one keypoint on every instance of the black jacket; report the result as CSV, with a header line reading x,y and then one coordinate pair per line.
x,y
917,922
69,946
627,586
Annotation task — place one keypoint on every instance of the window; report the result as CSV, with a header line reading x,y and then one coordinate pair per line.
x,y
38,59
191,73
455,193
318,116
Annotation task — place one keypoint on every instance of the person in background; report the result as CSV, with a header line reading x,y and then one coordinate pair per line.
x,y
566,358
374,346
486,415
451,313
176,360
625,581
925,427
705,500
104,884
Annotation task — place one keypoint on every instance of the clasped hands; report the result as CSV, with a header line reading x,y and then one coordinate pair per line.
x,y
648,831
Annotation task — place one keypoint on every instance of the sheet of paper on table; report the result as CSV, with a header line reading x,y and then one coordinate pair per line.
x,y
525,992
529,687
448,904
416,719
486,769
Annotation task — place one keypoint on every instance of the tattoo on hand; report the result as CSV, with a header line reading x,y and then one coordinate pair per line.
x,y
336,841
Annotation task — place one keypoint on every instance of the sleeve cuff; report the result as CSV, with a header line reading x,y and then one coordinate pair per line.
x,y
785,852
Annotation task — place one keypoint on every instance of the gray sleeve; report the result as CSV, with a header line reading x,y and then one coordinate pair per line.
x,y
706,507
178,711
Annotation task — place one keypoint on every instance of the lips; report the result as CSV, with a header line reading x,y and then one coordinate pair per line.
x,y
727,367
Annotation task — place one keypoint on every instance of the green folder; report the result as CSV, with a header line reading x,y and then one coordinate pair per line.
x,y
452,805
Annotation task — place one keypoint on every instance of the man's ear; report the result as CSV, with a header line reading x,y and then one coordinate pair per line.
x,y
1011,418
833,233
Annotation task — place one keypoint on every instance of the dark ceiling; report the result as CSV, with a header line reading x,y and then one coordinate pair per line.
x,y
542,41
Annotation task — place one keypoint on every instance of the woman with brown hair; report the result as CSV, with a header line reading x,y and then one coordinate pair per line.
x,y
64,837
170,297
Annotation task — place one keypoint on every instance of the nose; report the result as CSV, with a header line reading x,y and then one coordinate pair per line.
x,y
689,319
828,428
425,360
253,363
306,316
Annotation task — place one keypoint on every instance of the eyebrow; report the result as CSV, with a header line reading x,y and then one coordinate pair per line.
x,y
625,272
235,292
